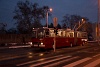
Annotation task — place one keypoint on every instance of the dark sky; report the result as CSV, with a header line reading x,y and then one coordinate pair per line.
x,y
84,8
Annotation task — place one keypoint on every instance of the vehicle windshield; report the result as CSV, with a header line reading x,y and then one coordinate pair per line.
x,y
34,34
40,33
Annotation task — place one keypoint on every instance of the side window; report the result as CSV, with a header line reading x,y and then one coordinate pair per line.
x,y
79,34
47,32
51,33
67,34
71,34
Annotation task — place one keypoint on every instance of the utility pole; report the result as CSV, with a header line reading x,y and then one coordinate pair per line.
x,y
98,23
55,31
98,12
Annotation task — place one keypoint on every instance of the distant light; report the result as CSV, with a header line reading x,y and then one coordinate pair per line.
x,y
41,54
82,19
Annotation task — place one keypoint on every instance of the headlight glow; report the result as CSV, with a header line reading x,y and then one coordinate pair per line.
x,y
41,43
84,39
30,43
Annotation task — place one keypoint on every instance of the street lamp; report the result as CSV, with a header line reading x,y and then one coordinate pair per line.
x,y
49,10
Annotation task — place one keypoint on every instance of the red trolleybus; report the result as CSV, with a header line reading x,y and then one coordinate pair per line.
x,y
44,38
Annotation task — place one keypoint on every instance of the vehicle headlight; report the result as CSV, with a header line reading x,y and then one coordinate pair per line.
x,y
84,39
41,43
30,43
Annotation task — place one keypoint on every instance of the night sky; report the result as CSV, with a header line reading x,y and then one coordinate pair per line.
x,y
84,8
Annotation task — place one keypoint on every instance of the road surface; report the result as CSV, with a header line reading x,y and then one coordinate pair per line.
x,y
78,56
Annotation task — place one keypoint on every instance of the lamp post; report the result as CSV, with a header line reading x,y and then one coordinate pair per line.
x,y
50,9
98,23
98,18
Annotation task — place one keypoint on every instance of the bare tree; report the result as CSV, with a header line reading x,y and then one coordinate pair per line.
x,y
71,21
28,15
23,16
3,28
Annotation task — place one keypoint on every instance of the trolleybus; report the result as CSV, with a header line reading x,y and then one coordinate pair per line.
x,y
44,38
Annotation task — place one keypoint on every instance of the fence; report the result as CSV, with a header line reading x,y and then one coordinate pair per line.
x,y
14,38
